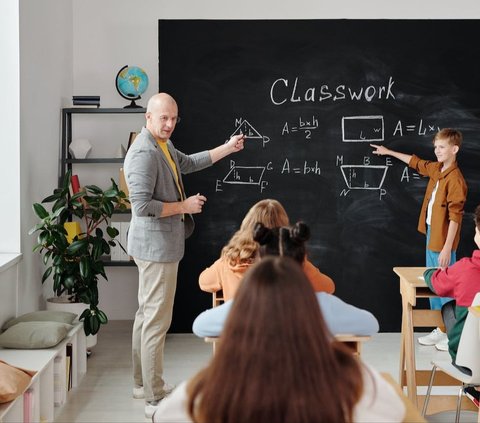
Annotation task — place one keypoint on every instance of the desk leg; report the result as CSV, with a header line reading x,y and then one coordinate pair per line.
x,y
401,377
409,351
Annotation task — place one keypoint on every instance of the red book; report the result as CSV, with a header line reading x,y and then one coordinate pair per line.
x,y
75,184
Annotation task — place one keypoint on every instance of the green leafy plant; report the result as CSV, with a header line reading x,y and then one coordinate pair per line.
x,y
75,267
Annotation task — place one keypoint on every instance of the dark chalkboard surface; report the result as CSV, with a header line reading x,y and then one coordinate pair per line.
x,y
311,95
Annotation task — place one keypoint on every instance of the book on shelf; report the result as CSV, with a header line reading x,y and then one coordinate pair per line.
x,y
73,229
86,97
94,102
118,253
28,398
69,358
75,184
86,106
59,386
123,239
86,101
122,184
131,138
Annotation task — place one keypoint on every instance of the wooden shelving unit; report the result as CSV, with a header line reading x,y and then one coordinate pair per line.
x,y
67,162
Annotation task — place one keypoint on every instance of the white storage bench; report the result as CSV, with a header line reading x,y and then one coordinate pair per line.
x,y
48,387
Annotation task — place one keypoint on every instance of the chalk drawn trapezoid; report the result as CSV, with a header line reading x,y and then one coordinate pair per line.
x,y
245,175
364,176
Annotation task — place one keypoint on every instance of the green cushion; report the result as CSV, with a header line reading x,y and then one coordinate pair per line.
x,y
42,316
33,335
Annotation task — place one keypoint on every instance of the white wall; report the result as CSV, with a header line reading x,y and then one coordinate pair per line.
x,y
78,46
9,117
120,32
109,34
46,85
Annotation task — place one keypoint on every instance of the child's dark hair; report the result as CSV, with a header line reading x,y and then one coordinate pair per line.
x,y
283,241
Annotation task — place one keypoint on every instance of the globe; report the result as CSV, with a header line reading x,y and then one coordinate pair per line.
x,y
131,83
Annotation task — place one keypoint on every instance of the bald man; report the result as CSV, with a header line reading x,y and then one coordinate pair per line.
x,y
161,220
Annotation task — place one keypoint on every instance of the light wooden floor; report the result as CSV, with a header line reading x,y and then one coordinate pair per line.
x,y
105,394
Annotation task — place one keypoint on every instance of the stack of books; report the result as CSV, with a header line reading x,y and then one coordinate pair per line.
x,y
119,251
86,101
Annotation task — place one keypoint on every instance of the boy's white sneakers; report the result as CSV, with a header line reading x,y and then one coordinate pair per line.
x,y
433,338
442,345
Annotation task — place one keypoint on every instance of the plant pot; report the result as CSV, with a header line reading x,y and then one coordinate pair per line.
x,y
62,304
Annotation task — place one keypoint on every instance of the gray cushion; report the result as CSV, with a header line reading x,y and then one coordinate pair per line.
x,y
33,335
42,316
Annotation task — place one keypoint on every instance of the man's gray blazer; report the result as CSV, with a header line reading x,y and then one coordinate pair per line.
x,y
151,183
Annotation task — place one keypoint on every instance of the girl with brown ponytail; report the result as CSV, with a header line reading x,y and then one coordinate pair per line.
x,y
276,363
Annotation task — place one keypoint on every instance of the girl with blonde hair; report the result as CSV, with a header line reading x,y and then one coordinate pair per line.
x,y
241,252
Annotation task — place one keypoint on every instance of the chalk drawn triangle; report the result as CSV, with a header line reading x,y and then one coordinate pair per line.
x,y
246,129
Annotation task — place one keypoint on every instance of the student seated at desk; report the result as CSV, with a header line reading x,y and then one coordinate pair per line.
x,y
276,363
241,252
461,281
341,318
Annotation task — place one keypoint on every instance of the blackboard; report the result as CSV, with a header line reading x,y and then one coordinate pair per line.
x,y
311,95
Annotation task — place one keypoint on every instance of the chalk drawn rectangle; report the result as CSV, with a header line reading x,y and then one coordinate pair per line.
x,y
363,176
245,175
362,128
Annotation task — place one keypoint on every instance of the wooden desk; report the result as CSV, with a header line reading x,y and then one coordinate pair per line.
x,y
411,288
353,342
412,415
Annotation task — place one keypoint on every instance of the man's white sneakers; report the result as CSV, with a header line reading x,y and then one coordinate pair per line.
x,y
151,406
138,392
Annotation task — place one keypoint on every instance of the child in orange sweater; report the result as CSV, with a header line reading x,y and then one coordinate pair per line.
x,y
240,253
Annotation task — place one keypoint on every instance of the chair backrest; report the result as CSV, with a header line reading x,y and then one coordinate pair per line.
x,y
468,354
217,298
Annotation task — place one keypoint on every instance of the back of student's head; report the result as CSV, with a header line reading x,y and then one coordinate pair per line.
x,y
275,361
453,136
242,248
284,241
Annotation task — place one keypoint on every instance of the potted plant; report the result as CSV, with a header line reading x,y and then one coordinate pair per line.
x,y
77,265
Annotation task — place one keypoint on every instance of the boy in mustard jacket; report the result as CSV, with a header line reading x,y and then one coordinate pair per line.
x,y
442,209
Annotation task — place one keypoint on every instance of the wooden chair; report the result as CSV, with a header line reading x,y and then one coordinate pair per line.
x,y
354,342
412,415
217,298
